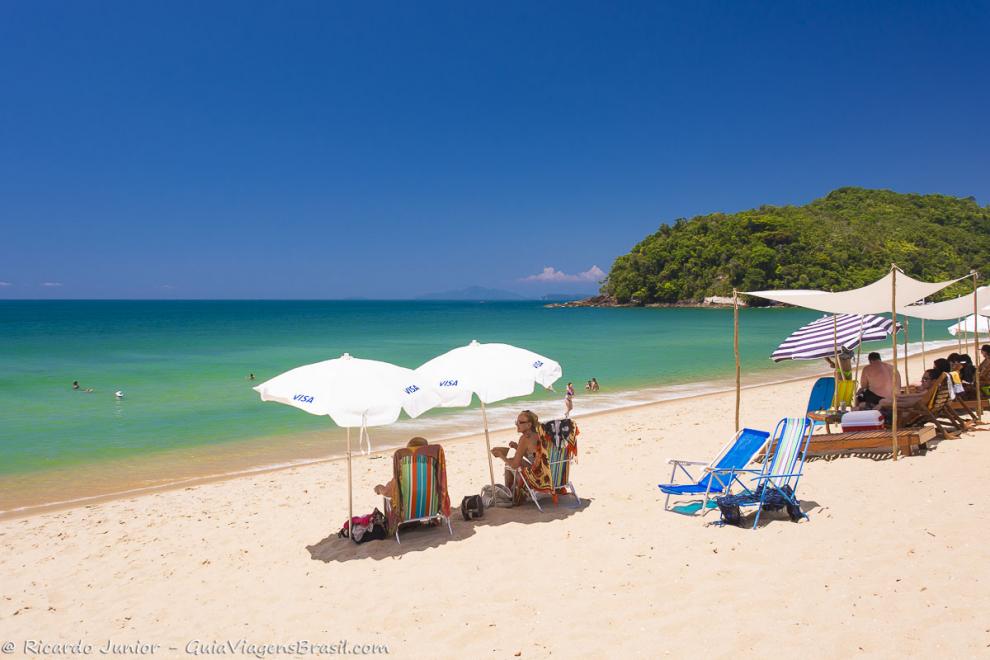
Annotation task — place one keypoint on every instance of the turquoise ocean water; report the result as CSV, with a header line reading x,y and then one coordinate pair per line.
x,y
189,408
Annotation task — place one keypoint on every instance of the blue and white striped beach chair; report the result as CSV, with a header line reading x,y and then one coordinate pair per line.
x,y
775,485
718,475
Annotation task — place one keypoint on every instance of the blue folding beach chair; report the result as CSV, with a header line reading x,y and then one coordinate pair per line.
x,y
820,400
775,485
719,473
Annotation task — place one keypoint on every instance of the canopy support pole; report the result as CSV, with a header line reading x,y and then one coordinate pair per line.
x,y
959,335
488,446
735,347
924,360
893,374
350,492
907,379
976,350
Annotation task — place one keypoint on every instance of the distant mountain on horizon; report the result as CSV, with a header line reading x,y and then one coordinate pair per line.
x,y
473,293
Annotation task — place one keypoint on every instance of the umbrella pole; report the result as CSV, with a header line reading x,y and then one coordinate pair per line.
x,y
976,351
859,347
893,373
835,351
350,492
488,445
735,347
959,336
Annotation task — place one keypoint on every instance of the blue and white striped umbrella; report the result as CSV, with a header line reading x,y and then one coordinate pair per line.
x,y
822,338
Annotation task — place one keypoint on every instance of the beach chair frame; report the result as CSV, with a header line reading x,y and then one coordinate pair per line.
x,y
556,488
767,479
725,476
424,519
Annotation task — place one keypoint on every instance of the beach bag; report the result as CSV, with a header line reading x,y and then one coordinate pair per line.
x,y
731,514
472,507
365,528
502,496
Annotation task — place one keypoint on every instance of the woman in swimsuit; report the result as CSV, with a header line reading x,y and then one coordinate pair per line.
x,y
527,449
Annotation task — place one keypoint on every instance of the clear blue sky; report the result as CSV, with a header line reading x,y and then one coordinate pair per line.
x,y
379,149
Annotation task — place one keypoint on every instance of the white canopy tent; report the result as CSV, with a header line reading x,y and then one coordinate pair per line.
x,y
871,299
951,309
969,327
969,306
891,293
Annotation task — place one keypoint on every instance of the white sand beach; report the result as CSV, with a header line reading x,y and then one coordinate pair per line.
x,y
893,561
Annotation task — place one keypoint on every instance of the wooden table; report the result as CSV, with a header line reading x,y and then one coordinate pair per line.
x,y
909,442
828,416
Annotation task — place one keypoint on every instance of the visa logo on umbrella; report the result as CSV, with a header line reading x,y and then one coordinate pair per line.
x,y
448,383
303,398
411,389
537,364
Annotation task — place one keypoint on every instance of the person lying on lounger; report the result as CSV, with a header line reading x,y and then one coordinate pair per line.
x,y
921,393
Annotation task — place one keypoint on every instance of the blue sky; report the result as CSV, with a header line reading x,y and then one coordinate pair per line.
x,y
378,149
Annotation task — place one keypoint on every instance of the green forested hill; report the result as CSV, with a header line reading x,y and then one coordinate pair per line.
x,y
842,241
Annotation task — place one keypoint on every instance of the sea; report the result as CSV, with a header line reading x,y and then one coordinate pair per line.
x,y
189,412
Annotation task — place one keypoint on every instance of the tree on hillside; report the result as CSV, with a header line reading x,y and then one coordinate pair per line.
x,y
845,240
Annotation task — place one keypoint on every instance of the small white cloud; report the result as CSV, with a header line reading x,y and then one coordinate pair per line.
x,y
167,286
6,284
51,284
551,274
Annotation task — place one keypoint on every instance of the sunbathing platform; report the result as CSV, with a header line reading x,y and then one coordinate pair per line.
x,y
909,442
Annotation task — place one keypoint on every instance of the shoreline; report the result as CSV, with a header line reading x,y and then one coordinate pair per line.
x,y
291,462
30,510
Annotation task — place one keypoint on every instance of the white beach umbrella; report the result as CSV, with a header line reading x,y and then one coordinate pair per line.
x,y
493,372
966,326
354,393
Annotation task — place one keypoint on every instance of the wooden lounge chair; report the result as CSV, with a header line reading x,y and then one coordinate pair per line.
x,y
935,409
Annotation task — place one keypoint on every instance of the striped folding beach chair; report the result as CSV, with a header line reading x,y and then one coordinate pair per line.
x,y
420,475
775,485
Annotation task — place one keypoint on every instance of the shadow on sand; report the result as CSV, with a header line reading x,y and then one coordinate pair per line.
x,y
417,538
772,517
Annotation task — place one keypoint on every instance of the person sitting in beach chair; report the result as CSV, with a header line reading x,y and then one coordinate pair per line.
x,y
417,492
545,470
528,425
